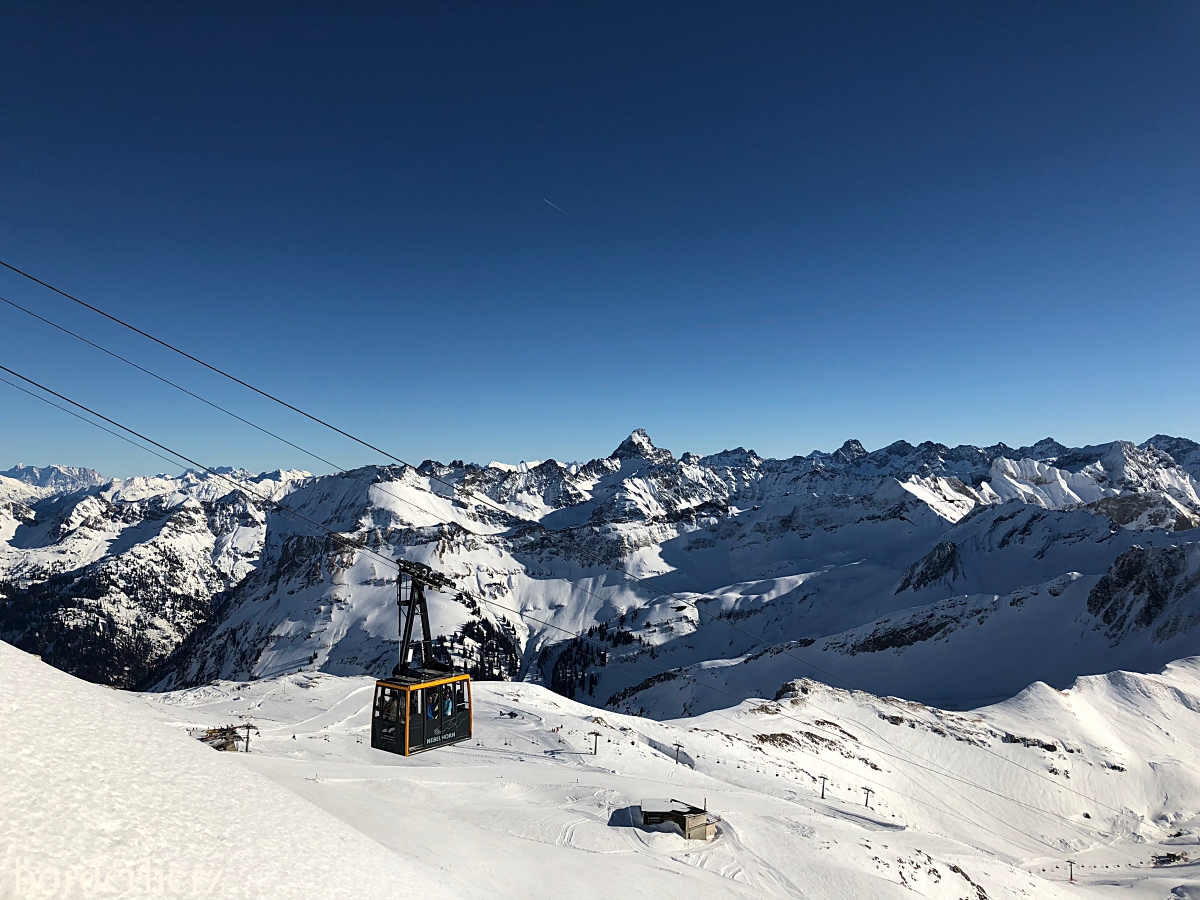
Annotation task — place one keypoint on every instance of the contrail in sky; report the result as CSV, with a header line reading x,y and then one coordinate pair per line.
x,y
559,208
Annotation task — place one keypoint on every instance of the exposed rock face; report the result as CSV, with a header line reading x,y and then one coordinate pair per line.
x,y
937,621
1149,510
1149,587
1185,452
639,446
941,566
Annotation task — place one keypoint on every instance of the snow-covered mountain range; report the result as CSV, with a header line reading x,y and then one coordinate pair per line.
x,y
952,576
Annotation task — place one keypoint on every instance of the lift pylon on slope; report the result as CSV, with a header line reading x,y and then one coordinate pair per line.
x,y
423,706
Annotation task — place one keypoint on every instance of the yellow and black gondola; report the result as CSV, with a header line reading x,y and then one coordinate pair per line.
x,y
412,715
420,707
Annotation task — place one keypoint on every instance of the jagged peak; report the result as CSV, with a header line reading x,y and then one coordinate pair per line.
x,y
235,471
851,450
1184,451
639,446
897,448
1113,456
1046,448
283,475
1166,442
738,456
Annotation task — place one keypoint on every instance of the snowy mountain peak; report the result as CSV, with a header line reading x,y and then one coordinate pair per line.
x,y
1185,452
639,446
738,456
282,475
1046,448
222,470
851,451
61,479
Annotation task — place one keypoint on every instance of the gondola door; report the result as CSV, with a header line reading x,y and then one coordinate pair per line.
x,y
461,695
388,719
415,739
439,713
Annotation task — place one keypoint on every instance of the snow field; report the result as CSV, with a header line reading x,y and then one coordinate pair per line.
x,y
525,808
102,799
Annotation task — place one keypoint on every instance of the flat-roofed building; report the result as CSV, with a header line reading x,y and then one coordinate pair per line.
x,y
694,822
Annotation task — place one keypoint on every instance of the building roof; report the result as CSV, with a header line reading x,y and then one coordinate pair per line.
x,y
667,806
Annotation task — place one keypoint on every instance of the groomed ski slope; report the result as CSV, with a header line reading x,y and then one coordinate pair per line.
x,y
526,810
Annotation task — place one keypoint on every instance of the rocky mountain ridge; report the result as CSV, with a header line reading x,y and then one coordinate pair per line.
x,y
179,581
55,479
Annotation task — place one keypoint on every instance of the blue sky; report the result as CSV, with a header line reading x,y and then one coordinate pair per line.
x,y
783,225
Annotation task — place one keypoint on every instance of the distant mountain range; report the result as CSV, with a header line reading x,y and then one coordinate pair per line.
x,y
946,575
57,479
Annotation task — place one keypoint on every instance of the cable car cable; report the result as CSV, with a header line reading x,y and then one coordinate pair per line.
x,y
167,381
466,490
89,421
237,486
201,362
234,415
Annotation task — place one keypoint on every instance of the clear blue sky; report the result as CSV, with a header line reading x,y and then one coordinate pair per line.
x,y
783,225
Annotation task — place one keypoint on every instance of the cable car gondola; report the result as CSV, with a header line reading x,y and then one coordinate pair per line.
x,y
420,707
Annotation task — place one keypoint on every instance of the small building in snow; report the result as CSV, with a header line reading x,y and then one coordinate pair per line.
x,y
225,738
694,822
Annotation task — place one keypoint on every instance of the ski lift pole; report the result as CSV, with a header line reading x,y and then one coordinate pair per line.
x,y
595,735
248,726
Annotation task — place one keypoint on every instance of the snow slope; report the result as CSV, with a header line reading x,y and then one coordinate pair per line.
x,y
963,651
100,798
989,803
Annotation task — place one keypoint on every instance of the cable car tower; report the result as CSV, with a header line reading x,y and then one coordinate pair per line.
x,y
423,706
